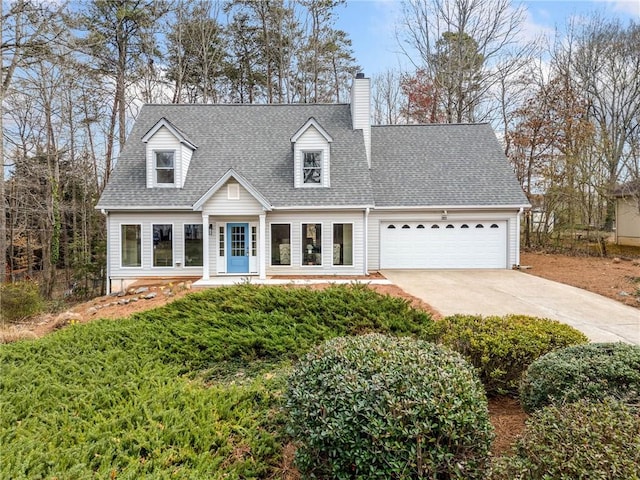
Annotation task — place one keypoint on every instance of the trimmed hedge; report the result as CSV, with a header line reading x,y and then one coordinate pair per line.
x,y
582,440
378,407
502,348
592,371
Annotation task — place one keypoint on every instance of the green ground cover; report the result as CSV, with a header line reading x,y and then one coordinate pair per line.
x,y
189,390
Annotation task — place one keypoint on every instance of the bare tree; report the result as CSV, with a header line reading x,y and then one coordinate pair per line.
x,y
25,31
388,98
605,64
466,47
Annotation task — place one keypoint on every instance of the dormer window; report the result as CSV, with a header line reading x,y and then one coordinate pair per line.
x,y
168,154
312,168
311,156
165,167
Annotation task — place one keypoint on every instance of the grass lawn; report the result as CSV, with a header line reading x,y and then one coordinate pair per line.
x,y
189,390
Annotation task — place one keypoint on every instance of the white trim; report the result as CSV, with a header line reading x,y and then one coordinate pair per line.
x,y
173,247
163,122
322,207
141,244
144,209
456,207
365,241
108,253
290,245
333,242
312,122
206,268
320,184
302,245
231,173
262,246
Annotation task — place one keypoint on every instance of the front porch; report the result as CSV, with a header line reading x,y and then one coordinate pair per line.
x,y
235,248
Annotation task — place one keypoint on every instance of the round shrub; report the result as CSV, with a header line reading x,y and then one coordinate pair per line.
x,y
589,440
592,371
19,300
501,348
379,407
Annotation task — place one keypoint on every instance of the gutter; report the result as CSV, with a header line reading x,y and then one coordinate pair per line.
x,y
456,207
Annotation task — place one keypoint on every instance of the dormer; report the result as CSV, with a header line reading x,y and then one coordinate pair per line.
x,y
311,156
168,154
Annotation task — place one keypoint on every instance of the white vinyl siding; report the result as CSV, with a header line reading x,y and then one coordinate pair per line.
x,y
296,219
164,140
146,221
311,141
361,111
219,203
506,220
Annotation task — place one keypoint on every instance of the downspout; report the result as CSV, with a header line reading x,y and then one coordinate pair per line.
x,y
366,240
517,265
108,269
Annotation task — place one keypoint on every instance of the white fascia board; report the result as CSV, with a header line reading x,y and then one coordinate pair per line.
x,y
231,173
312,122
324,207
163,122
146,208
457,207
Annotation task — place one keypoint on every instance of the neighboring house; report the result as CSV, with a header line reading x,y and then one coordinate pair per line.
x,y
628,213
262,190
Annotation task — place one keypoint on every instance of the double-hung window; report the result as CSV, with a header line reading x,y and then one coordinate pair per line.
x,y
312,168
165,167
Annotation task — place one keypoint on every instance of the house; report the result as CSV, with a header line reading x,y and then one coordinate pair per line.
x,y
627,198
262,190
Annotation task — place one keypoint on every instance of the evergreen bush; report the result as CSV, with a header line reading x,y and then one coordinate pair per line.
x,y
379,407
502,348
20,300
592,371
586,440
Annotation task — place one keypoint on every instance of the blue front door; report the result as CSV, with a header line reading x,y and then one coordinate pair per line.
x,y
237,248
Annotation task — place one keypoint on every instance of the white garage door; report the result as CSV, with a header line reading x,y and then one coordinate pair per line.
x,y
471,244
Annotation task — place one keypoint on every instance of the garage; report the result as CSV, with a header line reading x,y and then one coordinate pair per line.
x,y
446,244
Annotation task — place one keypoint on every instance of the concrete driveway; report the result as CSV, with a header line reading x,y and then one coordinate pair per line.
x,y
500,292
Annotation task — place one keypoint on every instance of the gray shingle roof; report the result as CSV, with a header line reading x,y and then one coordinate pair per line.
x,y
443,165
254,140
453,165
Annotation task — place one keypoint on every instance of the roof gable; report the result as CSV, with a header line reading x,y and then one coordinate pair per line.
x,y
163,122
312,122
231,173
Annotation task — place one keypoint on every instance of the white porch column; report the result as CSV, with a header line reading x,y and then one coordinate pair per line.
x,y
262,247
205,247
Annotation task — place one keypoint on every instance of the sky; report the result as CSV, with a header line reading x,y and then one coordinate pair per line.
x,y
371,25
